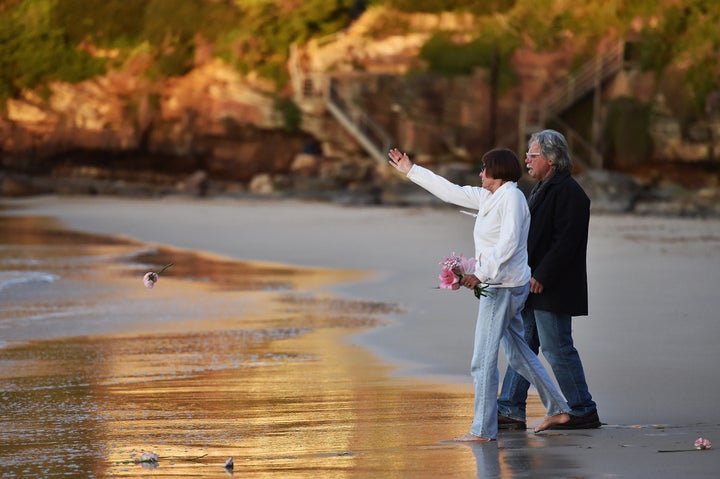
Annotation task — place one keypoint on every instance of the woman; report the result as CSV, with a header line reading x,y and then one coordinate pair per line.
x,y
501,231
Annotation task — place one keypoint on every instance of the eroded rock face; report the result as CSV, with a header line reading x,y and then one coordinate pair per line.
x,y
211,119
215,128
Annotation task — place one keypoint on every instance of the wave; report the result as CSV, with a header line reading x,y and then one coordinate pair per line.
x,y
14,278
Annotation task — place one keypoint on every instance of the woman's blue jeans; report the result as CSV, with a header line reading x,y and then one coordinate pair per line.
x,y
499,321
553,333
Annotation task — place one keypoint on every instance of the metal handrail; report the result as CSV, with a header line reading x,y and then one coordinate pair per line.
x,y
583,81
370,135
565,94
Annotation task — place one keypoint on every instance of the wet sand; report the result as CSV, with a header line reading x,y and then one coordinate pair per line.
x,y
370,396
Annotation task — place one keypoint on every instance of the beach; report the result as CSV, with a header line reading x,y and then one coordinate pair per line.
x,y
334,354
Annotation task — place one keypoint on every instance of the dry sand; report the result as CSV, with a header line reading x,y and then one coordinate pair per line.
x,y
648,345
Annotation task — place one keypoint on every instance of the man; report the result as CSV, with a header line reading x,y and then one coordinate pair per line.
x,y
557,248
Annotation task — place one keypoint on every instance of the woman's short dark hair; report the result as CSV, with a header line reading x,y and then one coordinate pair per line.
x,y
502,164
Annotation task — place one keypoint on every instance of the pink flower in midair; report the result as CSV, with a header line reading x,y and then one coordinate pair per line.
x,y
151,278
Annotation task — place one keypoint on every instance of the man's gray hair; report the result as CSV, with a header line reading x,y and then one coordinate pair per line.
x,y
554,147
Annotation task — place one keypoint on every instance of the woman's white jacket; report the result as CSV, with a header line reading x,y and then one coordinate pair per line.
x,y
501,226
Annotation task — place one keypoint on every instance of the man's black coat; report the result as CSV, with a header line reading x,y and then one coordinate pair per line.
x,y
557,246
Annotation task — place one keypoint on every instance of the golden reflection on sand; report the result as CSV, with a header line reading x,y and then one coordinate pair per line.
x,y
323,408
253,361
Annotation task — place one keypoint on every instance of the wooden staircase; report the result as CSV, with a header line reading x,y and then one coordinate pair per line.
x,y
588,79
371,136
352,117
322,90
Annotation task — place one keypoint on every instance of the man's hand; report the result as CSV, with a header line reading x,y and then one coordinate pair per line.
x,y
536,286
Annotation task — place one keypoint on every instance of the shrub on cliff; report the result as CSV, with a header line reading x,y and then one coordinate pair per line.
x,y
105,23
435,6
44,40
262,41
33,52
490,49
685,35
292,116
626,138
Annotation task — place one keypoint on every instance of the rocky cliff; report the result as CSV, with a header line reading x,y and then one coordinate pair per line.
x,y
217,131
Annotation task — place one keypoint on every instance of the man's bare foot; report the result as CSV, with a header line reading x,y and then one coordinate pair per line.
x,y
470,437
552,421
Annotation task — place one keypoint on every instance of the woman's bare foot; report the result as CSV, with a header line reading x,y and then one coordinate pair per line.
x,y
470,437
552,421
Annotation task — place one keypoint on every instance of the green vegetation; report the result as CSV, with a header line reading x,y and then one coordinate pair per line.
x,y
104,23
475,7
464,58
45,40
626,134
677,37
268,28
292,116
490,50
685,33
33,52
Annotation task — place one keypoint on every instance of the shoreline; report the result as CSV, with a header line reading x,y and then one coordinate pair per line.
x,y
633,264
261,230
647,366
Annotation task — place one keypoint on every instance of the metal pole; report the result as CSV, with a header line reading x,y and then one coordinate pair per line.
x,y
595,159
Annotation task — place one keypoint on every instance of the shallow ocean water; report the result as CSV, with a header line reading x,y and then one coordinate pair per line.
x,y
258,362
221,359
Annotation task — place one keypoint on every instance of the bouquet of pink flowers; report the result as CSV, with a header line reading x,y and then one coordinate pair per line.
x,y
454,267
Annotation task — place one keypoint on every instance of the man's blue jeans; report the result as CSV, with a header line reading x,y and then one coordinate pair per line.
x,y
553,333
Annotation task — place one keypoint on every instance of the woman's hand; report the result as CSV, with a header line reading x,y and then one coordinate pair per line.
x,y
400,161
470,281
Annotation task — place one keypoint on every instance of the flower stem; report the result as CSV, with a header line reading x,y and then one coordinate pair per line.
x,y
483,290
678,450
165,267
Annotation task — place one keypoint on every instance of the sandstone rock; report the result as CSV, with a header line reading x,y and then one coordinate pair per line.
x,y
196,184
305,164
262,184
690,152
216,92
34,116
699,131
19,185
666,131
224,122
609,191
459,173
343,171
708,193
